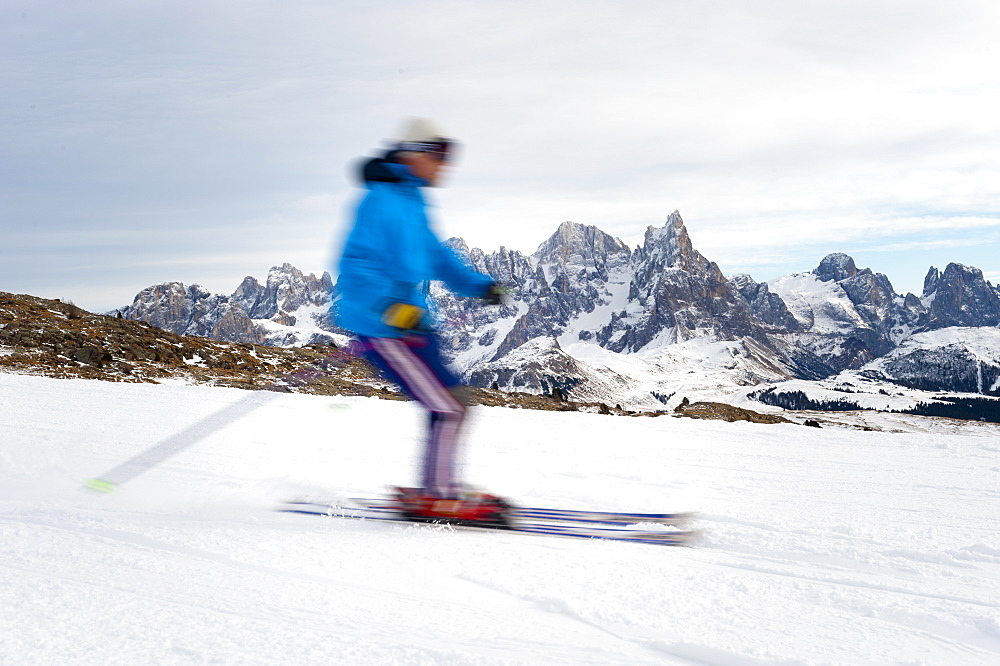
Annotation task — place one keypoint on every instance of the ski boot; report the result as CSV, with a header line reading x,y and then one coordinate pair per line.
x,y
471,507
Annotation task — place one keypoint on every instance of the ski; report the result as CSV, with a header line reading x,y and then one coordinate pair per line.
x,y
621,518
605,517
381,509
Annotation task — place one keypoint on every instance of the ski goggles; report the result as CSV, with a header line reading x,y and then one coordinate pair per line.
x,y
439,150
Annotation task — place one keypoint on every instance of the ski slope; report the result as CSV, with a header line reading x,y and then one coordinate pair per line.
x,y
831,546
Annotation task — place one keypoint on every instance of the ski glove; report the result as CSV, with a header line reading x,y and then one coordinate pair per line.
x,y
403,315
496,294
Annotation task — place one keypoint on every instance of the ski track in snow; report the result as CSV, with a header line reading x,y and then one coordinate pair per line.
x,y
828,546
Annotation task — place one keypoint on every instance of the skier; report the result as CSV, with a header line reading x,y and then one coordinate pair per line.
x,y
388,259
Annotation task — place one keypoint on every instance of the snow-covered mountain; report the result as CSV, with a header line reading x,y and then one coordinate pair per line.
x,y
953,372
948,359
642,327
616,312
583,285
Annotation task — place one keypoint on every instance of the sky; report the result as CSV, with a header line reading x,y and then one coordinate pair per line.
x,y
205,141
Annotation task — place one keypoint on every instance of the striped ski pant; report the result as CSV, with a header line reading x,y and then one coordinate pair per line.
x,y
414,363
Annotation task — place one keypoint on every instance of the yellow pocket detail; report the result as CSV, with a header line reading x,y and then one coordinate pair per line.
x,y
403,315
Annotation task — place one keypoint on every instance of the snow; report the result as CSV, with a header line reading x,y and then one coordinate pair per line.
x,y
818,547
196,360
698,369
308,327
822,307
482,353
613,299
983,342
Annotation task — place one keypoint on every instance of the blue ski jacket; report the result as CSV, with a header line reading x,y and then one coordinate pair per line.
x,y
391,254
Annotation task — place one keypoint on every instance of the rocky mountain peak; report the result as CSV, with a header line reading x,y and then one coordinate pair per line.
x,y
931,281
286,289
582,245
167,304
743,283
192,310
768,307
458,245
836,266
670,247
960,296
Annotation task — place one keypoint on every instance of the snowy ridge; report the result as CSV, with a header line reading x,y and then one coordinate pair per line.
x,y
949,359
948,363
822,308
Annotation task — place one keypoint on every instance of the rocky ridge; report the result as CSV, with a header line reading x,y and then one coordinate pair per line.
x,y
582,285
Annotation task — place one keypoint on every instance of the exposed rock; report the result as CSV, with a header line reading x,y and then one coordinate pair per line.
x,y
960,296
678,292
847,316
765,305
60,340
719,411
965,360
286,289
837,266
582,284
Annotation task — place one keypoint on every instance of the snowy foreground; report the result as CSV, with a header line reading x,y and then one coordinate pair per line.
x,y
819,546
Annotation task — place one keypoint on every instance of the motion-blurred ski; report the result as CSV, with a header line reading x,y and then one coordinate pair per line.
x,y
559,515
650,528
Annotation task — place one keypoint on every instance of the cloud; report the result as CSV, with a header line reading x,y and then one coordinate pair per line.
x,y
778,129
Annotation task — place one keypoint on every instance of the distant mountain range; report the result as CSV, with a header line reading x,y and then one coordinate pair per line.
x,y
647,326
290,309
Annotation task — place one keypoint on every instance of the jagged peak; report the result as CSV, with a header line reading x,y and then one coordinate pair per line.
x,y
176,287
168,284
571,233
742,280
458,244
952,272
931,281
953,268
286,275
671,246
198,291
286,267
584,240
674,228
250,284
